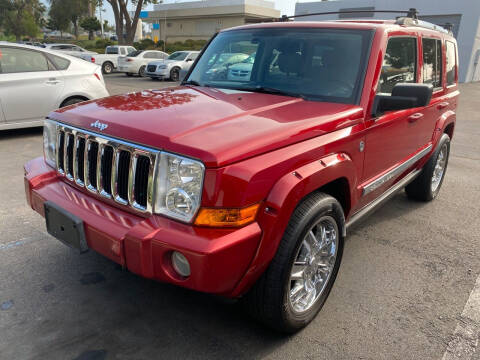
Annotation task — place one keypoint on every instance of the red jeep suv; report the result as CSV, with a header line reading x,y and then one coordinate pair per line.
x,y
244,180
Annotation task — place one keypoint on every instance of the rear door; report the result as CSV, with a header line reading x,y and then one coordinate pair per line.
x,y
391,137
433,72
29,84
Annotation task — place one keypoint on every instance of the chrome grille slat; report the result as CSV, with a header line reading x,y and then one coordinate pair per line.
x,y
107,166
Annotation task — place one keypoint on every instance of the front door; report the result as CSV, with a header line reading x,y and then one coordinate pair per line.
x,y
391,138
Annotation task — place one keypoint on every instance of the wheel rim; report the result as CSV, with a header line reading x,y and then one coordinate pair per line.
x,y
142,71
175,75
108,68
439,169
313,265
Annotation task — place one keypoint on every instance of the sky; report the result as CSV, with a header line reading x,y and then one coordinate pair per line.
x,y
286,7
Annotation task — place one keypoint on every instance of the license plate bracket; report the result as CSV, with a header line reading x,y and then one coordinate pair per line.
x,y
65,227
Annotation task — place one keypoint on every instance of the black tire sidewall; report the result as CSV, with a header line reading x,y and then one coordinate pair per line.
x,y
141,71
327,207
445,139
174,74
105,66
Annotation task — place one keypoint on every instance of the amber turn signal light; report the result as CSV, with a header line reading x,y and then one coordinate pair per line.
x,y
226,217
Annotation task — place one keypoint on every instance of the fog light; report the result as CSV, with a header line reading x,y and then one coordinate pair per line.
x,y
180,264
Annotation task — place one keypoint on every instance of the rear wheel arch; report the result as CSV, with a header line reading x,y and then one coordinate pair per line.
x,y
69,100
449,129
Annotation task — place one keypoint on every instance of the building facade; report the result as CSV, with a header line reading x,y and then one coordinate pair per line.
x,y
463,14
199,20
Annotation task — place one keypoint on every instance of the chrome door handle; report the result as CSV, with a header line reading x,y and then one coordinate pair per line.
x,y
442,105
414,117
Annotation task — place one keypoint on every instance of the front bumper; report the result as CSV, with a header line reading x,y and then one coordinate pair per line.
x,y
163,73
127,68
219,258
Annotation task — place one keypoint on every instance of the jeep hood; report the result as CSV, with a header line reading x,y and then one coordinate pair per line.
x,y
217,126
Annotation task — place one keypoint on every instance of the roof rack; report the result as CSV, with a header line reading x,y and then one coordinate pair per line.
x,y
411,18
424,24
411,13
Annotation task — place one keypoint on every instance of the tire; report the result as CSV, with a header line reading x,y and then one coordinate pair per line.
x,y
272,298
128,74
175,74
141,71
427,185
72,101
107,67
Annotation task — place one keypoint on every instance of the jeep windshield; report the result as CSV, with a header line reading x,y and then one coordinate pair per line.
x,y
316,64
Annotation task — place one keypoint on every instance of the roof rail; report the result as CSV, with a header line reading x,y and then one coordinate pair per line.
x,y
407,21
411,12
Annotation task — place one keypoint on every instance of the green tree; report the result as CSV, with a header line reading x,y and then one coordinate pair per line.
x,y
123,20
58,17
64,12
21,17
90,24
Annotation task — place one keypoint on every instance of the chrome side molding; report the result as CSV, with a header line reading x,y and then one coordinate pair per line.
x,y
382,198
375,184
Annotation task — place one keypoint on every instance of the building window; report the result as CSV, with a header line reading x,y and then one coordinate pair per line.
x,y
399,63
432,62
451,62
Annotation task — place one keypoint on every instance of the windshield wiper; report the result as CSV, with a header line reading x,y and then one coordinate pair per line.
x,y
273,91
191,82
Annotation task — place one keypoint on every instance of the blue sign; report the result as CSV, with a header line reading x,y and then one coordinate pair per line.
x,y
143,14
156,26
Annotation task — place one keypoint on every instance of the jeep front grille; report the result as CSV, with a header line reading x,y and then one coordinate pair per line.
x,y
111,168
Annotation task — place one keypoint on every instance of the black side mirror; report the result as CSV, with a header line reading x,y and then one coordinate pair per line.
x,y
404,96
188,60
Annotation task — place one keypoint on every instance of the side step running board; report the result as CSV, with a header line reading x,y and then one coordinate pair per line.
x,y
382,198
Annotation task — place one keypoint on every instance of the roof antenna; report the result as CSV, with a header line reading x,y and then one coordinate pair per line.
x,y
412,13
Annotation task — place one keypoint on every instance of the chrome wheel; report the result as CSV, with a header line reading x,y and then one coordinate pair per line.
x,y
439,169
314,264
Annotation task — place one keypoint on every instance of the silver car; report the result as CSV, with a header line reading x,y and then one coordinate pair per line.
x,y
70,49
171,66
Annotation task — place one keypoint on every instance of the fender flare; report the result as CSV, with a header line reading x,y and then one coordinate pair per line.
x,y
447,118
282,201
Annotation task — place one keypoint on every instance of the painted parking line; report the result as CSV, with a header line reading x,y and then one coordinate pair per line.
x,y
467,333
15,243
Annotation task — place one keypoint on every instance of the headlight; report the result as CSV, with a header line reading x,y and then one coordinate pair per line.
x,y
162,66
50,142
179,187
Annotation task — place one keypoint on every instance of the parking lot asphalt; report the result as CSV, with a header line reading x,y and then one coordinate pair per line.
x,y
406,275
119,83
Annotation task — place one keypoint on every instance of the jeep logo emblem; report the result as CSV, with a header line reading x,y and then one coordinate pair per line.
x,y
97,124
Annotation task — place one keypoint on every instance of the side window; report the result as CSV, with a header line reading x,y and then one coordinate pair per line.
x,y
451,62
192,56
399,63
14,60
123,51
432,62
149,55
60,63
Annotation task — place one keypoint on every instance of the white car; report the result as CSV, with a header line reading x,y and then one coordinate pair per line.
x,y
70,49
35,81
170,67
136,62
241,71
109,60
